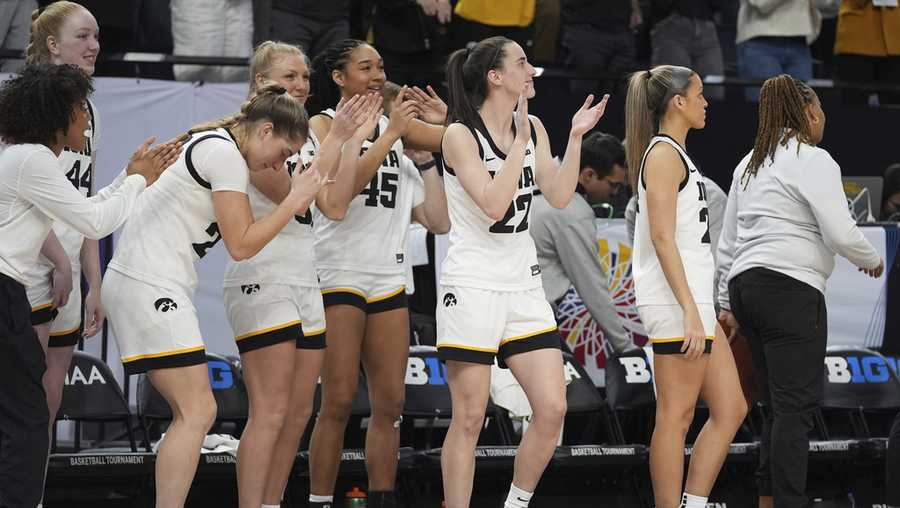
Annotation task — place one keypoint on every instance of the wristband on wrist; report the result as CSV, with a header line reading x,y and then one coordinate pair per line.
x,y
428,165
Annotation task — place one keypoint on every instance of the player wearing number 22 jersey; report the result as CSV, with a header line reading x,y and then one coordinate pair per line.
x,y
148,286
491,302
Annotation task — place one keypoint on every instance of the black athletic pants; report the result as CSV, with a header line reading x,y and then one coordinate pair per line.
x,y
784,321
23,404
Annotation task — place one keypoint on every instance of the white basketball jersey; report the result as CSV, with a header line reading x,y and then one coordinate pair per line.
x,y
78,168
290,257
372,236
173,223
691,238
488,254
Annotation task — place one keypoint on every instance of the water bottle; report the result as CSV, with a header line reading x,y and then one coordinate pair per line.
x,y
355,498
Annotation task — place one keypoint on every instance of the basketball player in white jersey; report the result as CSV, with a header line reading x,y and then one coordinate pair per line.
x,y
67,33
147,289
360,259
273,300
491,303
673,276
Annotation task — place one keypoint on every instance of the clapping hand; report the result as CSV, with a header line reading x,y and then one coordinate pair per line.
x,y
587,117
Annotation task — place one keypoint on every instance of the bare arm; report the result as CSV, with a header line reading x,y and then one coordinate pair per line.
x,y
492,195
62,269
432,213
424,136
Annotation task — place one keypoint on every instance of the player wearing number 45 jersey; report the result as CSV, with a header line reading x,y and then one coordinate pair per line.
x,y
147,290
673,278
491,302
360,255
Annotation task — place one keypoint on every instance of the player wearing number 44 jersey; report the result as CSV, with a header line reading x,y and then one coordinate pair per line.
x,y
201,199
673,278
491,301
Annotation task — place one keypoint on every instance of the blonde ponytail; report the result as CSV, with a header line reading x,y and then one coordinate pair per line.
x,y
45,23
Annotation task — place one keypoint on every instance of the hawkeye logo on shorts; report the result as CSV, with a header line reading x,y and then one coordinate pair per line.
x,y
165,304
400,258
449,300
535,270
249,289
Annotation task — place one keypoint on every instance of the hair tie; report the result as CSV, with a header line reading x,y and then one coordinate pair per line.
x,y
649,74
470,47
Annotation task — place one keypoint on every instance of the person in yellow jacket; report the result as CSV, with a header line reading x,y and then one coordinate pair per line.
x,y
475,20
867,47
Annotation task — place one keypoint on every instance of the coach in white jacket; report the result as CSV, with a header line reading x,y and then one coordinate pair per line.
x,y
786,218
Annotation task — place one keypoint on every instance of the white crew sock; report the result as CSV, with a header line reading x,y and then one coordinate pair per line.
x,y
692,501
271,506
518,498
320,499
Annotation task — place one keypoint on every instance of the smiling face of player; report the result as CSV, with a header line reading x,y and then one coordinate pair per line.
x,y
290,72
363,74
80,122
78,41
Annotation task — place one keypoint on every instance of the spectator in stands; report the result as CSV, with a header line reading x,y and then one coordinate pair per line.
x,y
773,37
598,37
566,239
890,203
479,19
311,24
867,48
784,223
15,22
684,34
218,28
412,38
546,31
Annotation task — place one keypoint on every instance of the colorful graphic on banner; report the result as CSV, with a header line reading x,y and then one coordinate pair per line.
x,y
583,335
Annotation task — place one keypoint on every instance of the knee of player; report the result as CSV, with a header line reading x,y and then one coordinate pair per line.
x,y
551,411
201,415
299,414
471,423
388,409
337,408
675,417
271,417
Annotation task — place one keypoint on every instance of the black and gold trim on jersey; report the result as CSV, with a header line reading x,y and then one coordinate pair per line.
x,y
313,340
189,162
392,300
65,338
170,359
542,339
684,162
42,314
673,346
269,336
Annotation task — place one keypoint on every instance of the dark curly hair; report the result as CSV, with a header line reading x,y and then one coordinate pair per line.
x,y
39,103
